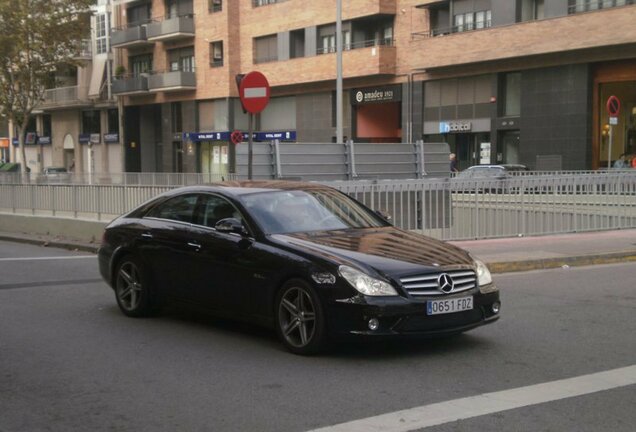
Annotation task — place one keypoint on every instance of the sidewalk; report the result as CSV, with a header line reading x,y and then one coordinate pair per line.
x,y
502,255
542,252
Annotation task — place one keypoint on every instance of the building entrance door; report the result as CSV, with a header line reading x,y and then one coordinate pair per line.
x,y
214,159
510,147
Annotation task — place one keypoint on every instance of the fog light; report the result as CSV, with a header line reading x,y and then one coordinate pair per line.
x,y
374,324
495,307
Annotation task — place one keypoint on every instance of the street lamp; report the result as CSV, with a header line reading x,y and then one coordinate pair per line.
x,y
339,136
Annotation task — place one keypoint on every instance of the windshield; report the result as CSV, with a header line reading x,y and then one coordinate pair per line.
x,y
283,212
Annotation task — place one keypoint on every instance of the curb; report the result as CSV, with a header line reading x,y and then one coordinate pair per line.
x,y
52,243
571,261
495,267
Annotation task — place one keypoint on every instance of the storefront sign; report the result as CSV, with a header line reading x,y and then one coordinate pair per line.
x,y
44,140
206,136
4,142
454,127
281,136
225,136
30,138
376,95
84,138
111,138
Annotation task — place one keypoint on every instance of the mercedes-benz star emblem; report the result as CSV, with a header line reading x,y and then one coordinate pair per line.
x,y
445,283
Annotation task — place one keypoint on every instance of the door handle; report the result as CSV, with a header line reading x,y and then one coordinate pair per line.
x,y
146,236
197,246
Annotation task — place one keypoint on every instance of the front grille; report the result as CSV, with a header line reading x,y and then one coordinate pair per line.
x,y
426,284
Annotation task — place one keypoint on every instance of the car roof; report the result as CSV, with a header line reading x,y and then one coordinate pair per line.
x,y
244,187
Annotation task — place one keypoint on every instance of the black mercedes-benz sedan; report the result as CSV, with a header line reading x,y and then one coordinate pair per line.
x,y
304,258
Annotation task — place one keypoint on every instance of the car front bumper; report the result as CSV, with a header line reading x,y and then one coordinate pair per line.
x,y
400,316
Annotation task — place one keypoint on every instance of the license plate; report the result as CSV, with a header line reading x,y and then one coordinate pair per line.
x,y
436,307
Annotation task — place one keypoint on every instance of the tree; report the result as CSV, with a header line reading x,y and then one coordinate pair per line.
x,y
37,37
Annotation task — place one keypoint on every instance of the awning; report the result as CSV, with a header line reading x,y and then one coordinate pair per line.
x,y
97,77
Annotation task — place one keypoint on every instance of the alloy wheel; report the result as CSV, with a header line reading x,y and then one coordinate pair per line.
x,y
297,317
129,286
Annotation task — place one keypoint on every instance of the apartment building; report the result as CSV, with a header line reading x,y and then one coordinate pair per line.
x,y
77,124
513,81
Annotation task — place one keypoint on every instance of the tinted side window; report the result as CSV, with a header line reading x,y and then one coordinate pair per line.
x,y
180,208
213,208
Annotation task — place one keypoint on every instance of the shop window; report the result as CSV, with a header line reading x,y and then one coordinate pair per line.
x,y
512,91
90,122
46,125
113,121
266,49
216,54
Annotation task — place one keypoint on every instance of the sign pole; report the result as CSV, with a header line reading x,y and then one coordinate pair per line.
x,y
609,149
249,146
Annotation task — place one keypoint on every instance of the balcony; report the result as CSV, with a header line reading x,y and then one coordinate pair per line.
x,y
360,59
129,37
84,51
555,37
65,97
130,85
171,29
172,81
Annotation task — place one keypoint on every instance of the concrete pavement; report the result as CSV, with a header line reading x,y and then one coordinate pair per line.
x,y
502,255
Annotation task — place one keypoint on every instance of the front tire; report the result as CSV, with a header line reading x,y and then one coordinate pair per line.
x,y
132,289
300,319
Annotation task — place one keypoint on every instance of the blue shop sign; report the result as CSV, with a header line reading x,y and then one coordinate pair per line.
x,y
31,138
206,136
84,138
281,136
111,138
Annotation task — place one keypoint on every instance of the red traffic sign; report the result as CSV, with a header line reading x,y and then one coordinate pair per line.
x,y
613,106
254,92
236,137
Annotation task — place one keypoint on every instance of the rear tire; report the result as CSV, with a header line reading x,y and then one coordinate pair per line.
x,y
300,319
132,290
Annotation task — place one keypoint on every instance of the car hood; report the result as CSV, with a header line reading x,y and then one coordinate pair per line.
x,y
388,250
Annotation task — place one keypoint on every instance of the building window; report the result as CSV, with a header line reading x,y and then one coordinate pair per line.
x,y
90,122
328,44
138,15
575,6
113,121
46,125
216,54
266,49
257,3
512,91
471,21
101,34
215,6
140,64
181,60
297,43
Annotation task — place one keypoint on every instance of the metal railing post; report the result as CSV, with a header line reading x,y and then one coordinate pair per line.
x,y
278,169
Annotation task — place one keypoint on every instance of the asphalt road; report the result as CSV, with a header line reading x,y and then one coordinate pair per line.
x,y
70,361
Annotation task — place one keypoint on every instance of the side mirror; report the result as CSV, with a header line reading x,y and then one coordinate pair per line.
x,y
231,225
387,217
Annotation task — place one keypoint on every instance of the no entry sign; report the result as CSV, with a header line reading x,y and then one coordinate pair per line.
x,y
254,92
613,106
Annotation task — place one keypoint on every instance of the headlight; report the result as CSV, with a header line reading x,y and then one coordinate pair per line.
x,y
365,283
483,276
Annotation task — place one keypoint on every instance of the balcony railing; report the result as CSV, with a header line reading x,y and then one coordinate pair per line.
x,y
578,6
172,81
357,45
130,84
129,36
481,25
171,28
65,96
85,50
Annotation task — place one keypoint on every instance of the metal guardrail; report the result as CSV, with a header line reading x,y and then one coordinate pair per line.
x,y
448,209
122,179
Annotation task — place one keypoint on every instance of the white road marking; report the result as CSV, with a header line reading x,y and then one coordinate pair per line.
x,y
488,403
255,92
49,258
